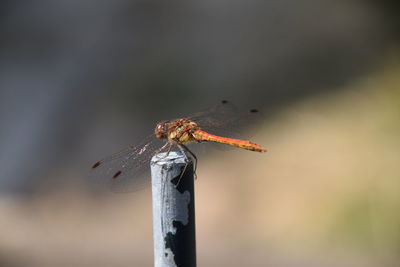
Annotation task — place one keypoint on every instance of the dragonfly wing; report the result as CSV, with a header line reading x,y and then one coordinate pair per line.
x,y
225,119
127,170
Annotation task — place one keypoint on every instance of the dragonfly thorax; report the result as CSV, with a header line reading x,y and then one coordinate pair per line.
x,y
180,130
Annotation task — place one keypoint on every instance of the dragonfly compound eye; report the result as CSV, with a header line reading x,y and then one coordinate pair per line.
x,y
161,130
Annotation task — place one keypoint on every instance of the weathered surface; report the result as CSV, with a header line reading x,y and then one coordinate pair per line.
x,y
173,210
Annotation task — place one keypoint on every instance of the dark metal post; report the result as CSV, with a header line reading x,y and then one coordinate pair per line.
x,y
173,210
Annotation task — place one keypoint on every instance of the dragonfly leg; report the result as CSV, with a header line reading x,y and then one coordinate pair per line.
x,y
182,149
185,149
192,154
169,145
180,146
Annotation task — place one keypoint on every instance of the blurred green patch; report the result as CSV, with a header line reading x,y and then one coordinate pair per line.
x,y
369,219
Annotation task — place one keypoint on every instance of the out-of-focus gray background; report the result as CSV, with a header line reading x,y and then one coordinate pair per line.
x,y
81,79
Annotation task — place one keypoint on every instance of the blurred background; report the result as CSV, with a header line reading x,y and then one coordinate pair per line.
x,y
80,80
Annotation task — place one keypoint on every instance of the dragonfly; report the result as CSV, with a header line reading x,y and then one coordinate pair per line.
x,y
123,171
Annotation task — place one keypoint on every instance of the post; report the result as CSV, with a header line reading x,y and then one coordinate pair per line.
x,y
173,210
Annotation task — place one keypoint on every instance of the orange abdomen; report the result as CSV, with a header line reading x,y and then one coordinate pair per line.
x,y
204,136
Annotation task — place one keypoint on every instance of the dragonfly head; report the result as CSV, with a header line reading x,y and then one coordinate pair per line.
x,y
161,130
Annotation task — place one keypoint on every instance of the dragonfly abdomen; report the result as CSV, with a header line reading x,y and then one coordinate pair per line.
x,y
204,136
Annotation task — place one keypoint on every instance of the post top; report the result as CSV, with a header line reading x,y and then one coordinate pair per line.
x,y
169,158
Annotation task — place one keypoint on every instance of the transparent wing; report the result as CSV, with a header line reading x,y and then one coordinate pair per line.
x,y
225,119
127,170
